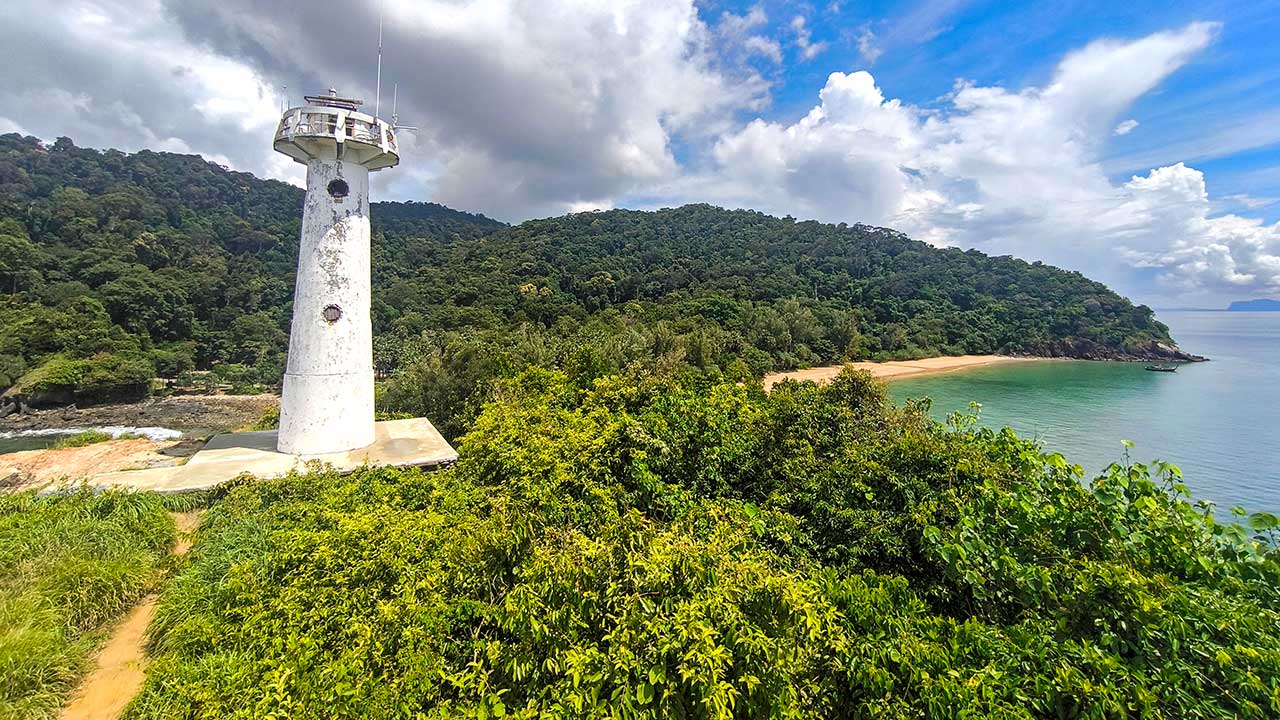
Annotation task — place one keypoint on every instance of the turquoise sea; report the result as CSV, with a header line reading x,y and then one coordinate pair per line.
x,y
1219,421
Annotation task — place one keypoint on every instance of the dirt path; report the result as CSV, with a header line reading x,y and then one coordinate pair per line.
x,y
120,667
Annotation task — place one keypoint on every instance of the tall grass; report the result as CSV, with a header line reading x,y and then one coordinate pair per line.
x,y
69,563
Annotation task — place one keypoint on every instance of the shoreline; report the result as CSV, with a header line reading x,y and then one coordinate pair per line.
x,y
896,369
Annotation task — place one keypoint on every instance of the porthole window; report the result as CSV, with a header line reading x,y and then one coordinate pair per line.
x,y
332,313
338,189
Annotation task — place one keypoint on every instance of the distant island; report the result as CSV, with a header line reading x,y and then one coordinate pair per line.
x,y
1260,305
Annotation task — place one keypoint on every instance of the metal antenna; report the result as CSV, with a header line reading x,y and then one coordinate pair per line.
x,y
377,97
395,116
284,99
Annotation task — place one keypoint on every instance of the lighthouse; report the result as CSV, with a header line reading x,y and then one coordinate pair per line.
x,y
326,402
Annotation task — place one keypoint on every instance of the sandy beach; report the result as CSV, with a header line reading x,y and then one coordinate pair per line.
x,y
894,370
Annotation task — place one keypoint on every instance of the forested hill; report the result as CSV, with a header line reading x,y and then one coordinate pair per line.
x,y
116,266
904,298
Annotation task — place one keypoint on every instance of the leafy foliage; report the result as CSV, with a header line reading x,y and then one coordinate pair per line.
x,y
176,261
81,439
165,262
69,562
661,546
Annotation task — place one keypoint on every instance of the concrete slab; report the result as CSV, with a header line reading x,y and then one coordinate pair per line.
x,y
398,443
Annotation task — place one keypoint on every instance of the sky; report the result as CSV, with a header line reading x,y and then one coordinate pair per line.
x,y
1135,142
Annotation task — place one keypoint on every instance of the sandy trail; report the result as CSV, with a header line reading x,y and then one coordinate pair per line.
x,y
893,370
120,666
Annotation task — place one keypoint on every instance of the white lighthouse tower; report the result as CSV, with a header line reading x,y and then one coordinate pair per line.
x,y
326,403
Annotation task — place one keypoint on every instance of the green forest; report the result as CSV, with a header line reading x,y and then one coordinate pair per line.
x,y
117,268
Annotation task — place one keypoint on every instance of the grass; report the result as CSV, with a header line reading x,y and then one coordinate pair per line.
x,y
69,564
89,437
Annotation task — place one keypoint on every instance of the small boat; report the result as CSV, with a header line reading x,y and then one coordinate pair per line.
x,y
1163,368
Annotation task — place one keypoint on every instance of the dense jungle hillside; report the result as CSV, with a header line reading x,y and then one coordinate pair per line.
x,y
117,267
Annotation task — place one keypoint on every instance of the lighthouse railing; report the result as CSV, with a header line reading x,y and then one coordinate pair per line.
x,y
341,125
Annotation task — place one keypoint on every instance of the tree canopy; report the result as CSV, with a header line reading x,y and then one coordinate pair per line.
x,y
173,262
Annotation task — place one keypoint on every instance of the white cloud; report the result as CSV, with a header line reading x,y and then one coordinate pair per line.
x,y
117,74
1249,202
739,30
804,39
527,109
764,46
1010,172
1238,135
741,25
9,126
867,47
532,109
1191,249
1126,127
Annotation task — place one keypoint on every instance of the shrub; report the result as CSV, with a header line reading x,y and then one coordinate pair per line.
x,y
115,376
81,439
57,374
175,361
69,563
665,547
270,419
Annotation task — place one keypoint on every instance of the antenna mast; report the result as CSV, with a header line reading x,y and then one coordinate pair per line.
x,y
377,98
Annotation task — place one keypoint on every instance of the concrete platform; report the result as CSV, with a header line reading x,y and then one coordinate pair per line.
x,y
397,443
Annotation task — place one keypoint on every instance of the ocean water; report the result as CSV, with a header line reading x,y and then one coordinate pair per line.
x,y
1219,421
19,440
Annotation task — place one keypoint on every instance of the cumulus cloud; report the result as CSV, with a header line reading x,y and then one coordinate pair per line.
x,y
532,109
527,108
115,74
1174,233
1009,172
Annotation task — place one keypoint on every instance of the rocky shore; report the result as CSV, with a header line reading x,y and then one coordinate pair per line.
x,y
1152,352
191,414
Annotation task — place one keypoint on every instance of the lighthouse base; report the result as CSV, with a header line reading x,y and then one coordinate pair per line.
x,y
326,413
397,443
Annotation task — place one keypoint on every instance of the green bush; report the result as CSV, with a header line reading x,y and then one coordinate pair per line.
x,y
69,563
173,362
663,547
101,377
270,419
58,374
81,439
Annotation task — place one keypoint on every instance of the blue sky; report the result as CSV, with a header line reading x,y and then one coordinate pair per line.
x,y
1136,142
1221,111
